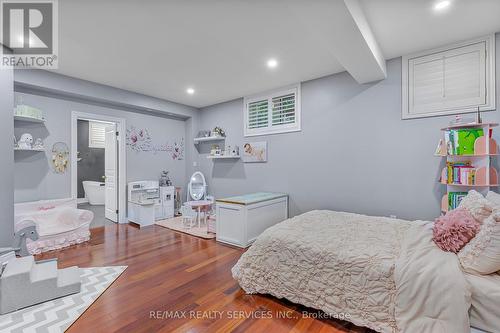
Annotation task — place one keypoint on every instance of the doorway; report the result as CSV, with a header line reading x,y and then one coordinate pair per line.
x,y
98,166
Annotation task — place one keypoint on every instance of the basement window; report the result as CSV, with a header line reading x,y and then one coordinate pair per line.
x,y
97,134
273,112
450,80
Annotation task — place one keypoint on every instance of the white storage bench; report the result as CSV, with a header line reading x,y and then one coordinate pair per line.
x,y
241,219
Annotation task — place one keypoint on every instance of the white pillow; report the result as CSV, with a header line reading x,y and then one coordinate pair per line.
x,y
493,197
482,254
477,205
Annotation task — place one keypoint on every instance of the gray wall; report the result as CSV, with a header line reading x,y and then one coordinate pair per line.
x,y
91,165
354,152
7,157
34,178
65,88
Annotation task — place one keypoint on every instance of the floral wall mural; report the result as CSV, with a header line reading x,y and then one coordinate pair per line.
x,y
139,140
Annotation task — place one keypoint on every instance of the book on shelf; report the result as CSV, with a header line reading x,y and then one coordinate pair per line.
x,y
454,199
462,173
461,141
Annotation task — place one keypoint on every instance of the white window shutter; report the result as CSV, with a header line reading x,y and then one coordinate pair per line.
x,y
283,109
449,80
258,114
272,113
97,134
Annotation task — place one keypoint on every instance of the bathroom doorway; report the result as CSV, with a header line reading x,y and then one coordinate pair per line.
x,y
97,166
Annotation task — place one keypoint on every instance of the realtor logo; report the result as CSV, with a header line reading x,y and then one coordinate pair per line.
x,y
29,31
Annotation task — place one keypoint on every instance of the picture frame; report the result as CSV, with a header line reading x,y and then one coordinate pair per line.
x,y
254,152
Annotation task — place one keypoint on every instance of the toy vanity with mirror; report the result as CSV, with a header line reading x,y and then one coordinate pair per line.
x,y
197,187
198,202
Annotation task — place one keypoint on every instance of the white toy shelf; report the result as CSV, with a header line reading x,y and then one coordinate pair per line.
x,y
29,119
29,149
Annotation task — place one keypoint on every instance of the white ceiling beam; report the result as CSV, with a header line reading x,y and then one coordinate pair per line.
x,y
368,64
342,28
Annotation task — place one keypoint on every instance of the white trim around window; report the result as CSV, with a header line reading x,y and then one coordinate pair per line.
x,y
273,112
450,80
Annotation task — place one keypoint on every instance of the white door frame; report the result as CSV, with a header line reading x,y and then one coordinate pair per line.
x,y
122,158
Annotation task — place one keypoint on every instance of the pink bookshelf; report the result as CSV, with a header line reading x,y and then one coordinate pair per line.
x,y
486,176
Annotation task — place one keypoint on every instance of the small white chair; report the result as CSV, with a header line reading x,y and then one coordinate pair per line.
x,y
210,214
188,216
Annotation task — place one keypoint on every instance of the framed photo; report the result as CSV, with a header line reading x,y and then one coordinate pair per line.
x,y
255,152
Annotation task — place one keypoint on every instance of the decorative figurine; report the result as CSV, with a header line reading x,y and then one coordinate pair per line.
x,y
217,131
38,144
26,141
215,151
235,151
165,179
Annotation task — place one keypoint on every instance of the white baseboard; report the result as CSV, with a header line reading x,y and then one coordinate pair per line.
x,y
81,200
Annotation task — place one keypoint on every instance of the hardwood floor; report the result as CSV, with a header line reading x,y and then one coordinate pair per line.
x,y
179,283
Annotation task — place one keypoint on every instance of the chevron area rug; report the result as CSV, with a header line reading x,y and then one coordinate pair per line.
x,y
57,315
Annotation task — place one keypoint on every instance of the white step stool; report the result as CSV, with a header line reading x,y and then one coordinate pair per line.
x,y
25,282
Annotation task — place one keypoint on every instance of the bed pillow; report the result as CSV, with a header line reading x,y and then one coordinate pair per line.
x,y
494,198
482,254
477,205
454,230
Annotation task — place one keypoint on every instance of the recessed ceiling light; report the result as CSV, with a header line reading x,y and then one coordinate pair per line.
x,y
190,91
440,5
272,63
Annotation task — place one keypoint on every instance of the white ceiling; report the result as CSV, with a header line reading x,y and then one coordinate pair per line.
x,y
405,26
220,48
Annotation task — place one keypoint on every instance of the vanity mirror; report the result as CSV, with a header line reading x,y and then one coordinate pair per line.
x,y
197,187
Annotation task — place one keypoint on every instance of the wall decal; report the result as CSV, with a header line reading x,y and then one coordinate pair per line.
x,y
139,140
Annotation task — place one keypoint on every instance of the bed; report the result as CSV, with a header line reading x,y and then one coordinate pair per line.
x,y
485,301
382,273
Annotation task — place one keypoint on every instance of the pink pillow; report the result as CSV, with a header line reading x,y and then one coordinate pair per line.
x,y
454,230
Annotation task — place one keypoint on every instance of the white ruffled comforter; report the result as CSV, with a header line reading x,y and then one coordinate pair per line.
x,y
377,272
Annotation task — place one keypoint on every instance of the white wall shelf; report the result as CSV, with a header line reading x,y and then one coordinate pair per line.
x,y
29,119
31,149
208,139
221,157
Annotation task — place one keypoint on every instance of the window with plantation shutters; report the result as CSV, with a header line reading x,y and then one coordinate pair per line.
x,y
283,110
97,134
258,114
272,113
451,80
